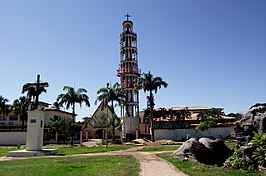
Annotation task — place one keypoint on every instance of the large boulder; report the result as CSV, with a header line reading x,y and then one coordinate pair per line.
x,y
219,151
253,120
207,151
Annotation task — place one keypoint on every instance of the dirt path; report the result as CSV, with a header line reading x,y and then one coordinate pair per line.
x,y
151,165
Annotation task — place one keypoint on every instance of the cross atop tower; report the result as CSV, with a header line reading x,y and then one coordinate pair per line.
x,y
127,15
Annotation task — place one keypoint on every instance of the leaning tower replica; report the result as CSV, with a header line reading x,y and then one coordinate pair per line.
x,y
129,72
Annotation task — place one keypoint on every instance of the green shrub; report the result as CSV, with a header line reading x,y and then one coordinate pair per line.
x,y
206,124
259,154
237,161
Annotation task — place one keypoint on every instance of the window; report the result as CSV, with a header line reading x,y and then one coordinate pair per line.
x,y
2,118
13,118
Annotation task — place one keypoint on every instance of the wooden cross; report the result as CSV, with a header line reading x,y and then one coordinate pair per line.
x,y
127,15
37,84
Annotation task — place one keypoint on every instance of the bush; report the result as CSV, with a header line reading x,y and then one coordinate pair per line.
x,y
237,161
206,124
259,154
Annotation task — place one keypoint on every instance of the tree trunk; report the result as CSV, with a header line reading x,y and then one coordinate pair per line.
x,y
152,131
73,132
22,125
113,134
113,125
151,116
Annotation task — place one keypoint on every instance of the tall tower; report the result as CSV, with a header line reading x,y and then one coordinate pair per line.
x,y
129,72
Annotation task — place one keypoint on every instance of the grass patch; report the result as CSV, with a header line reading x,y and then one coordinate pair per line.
x,y
72,166
193,168
71,150
159,148
230,143
4,149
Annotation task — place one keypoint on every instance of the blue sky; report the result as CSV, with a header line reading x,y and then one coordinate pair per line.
x,y
211,52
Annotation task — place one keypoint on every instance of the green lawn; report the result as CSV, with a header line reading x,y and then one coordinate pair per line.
x,y
71,150
197,169
67,150
4,149
159,148
72,166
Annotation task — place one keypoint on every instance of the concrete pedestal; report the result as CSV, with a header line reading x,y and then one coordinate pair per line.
x,y
27,153
35,126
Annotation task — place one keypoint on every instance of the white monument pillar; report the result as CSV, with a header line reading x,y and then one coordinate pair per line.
x,y
35,127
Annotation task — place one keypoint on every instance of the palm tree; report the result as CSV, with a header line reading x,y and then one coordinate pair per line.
x,y
111,94
150,84
184,114
203,114
20,107
70,98
56,105
33,92
4,108
215,113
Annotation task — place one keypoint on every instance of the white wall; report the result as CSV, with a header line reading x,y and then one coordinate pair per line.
x,y
12,138
178,134
130,125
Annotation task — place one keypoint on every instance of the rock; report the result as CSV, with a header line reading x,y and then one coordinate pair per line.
x,y
167,142
139,141
156,143
207,151
254,121
247,153
218,149
193,149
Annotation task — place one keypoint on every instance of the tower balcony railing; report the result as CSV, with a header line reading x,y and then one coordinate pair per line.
x,y
128,70
126,85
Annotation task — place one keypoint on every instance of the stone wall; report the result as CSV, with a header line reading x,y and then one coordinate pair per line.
x,y
178,134
12,138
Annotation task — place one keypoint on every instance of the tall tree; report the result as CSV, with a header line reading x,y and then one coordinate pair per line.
x,y
111,94
20,108
150,84
180,116
34,91
57,106
4,108
70,98
214,113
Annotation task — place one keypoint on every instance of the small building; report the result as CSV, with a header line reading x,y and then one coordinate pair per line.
x,y
95,126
